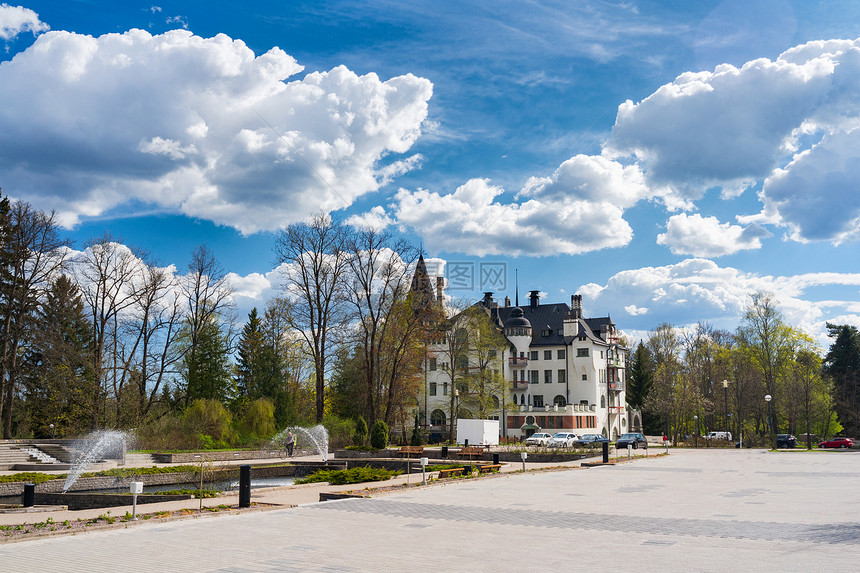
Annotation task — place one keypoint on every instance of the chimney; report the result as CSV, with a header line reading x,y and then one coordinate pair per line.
x,y
440,288
507,302
534,298
487,300
576,305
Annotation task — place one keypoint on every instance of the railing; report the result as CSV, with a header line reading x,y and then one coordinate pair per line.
x,y
613,362
518,361
519,385
616,409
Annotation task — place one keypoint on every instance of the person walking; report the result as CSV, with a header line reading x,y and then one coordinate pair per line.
x,y
291,442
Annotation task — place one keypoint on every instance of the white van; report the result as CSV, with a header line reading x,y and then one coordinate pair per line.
x,y
719,436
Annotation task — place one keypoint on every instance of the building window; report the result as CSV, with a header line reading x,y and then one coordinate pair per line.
x,y
562,376
537,401
445,389
547,376
546,332
432,365
601,354
533,355
585,376
533,376
491,353
437,418
547,354
432,388
582,352
559,401
562,354
462,362
603,401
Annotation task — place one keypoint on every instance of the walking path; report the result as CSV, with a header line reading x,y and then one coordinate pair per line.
x,y
694,510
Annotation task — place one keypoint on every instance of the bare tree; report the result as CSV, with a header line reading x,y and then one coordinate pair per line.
x,y
315,261
209,299
106,272
33,254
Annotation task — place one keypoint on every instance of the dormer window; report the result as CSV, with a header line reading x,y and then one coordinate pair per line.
x,y
546,332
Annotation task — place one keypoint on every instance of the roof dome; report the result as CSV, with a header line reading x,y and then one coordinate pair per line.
x,y
517,320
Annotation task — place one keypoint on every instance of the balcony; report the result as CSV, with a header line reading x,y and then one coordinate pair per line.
x,y
616,386
518,361
614,363
616,409
519,385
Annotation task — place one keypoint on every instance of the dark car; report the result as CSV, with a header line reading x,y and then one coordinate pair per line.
x,y
634,440
786,441
591,440
837,443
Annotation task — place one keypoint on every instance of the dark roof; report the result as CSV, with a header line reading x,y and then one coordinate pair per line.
x,y
515,319
549,319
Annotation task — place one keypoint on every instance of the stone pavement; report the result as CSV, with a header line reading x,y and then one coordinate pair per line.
x,y
695,510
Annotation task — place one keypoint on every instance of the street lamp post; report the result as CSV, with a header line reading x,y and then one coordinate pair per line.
x,y
696,419
771,420
726,403
456,410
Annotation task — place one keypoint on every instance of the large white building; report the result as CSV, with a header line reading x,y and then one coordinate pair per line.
x,y
560,371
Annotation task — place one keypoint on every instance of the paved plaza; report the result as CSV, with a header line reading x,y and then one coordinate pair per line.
x,y
694,510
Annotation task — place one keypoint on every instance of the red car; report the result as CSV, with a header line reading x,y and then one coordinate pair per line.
x,y
837,443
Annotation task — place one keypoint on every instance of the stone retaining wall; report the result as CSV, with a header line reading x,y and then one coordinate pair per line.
x,y
76,501
196,458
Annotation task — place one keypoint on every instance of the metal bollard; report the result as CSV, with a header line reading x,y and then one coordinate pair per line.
x,y
444,451
605,452
245,486
29,495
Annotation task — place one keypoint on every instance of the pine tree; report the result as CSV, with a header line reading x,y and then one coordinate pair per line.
x,y
207,371
842,364
58,373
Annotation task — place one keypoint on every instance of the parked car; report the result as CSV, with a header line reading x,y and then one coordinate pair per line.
x,y
837,443
634,440
786,441
563,440
719,436
538,439
591,440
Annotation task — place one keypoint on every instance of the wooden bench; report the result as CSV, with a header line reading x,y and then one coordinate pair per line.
x,y
451,472
492,468
471,451
410,450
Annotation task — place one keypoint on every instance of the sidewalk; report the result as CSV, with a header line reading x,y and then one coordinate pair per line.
x,y
286,496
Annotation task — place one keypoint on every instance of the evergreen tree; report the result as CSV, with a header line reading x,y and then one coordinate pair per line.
x,y
58,373
207,371
842,364
249,368
640,379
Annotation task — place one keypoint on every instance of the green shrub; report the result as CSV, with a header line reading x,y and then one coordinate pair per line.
x,y
210,418
339,431
416,440
352,475
359,437
258,419
379,435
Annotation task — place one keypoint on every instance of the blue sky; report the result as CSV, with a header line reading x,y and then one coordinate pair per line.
x,y
664,159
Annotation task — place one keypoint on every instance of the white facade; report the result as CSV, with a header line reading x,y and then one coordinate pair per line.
x,y
561,372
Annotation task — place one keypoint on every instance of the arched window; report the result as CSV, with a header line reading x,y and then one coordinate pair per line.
x,y
464,414
495,402
462,362
603,401
437,418
461,336
559,401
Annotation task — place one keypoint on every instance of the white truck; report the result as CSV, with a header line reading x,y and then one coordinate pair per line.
x,y
478,432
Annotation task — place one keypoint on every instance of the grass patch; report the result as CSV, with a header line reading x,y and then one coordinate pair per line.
x,y
352,475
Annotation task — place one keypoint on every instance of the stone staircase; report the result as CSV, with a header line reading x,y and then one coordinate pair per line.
x,y
11,455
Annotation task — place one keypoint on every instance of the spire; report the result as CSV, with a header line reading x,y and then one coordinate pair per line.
x,y
517,287
421,284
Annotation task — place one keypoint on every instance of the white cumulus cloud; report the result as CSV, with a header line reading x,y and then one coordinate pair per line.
x,y
579,209
707,237
15,20
197,125
793,120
